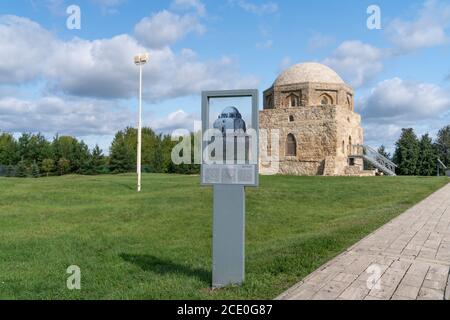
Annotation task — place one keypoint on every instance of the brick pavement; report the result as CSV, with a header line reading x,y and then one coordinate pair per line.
x,y
406,259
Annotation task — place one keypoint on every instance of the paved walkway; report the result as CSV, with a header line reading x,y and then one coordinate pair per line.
x,y
407,259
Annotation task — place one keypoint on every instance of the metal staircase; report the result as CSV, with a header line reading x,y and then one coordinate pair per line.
x,y
374,158
443,166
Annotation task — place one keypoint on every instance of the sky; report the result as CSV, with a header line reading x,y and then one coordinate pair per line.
x,y
83,82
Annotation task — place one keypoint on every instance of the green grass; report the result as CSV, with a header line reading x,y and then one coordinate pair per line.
x,y
157,244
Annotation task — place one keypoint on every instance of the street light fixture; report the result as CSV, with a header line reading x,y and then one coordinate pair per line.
x,y
140,60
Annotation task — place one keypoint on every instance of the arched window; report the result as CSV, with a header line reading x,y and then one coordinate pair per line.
x,y
326,100
291,118
291,146
293,101
343,146
350,101
269,102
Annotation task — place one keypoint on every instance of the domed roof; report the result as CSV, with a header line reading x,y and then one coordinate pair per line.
x,y
308,72
233,110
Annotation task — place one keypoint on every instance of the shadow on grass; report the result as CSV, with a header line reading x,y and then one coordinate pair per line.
x,y
164,267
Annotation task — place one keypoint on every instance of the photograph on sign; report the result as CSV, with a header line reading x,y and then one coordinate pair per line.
x,y
230,153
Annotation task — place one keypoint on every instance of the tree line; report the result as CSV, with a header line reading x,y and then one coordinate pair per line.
x,y
416,156
32,155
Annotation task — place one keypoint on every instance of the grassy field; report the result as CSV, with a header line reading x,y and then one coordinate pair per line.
x,y
157,244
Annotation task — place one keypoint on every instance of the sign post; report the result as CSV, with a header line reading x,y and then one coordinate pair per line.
x,y
229,164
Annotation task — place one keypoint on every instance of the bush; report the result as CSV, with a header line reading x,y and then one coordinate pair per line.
x,y
11,171
22,170
35,172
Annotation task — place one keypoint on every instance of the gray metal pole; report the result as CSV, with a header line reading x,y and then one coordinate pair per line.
x,y
228,235
139,133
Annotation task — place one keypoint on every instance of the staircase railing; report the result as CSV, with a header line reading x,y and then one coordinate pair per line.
x,y
444,167
375,159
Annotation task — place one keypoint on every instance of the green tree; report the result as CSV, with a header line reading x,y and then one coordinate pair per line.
x,y
443,145
8,149
122,155
38,149
10,171
48,165
22,169
63,166
23,147
35,172
427,156
406,154
157,163
69,148
382,150
97,160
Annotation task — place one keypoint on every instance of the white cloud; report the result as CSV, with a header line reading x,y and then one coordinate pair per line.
x,y
99,68
188,4
24,49
258,9
104,68
53,114
81,117
81,77
179,119
399,100
394,104
377,133
358,63
165,28
428,30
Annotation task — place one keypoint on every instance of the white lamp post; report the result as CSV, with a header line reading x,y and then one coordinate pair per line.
x,y
140,60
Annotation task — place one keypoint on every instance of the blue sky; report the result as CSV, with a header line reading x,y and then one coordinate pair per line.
x,y
83,82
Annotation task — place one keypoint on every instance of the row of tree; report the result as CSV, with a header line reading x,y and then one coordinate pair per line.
x,y
33,155
419,156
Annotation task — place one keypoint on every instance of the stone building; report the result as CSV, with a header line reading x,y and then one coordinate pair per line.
x,y
313,109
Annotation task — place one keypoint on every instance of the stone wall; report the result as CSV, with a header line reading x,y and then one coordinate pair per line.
x,y
314,129
349,134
